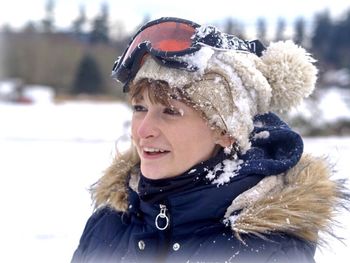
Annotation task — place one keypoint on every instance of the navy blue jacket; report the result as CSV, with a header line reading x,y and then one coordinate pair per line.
x,y
197,230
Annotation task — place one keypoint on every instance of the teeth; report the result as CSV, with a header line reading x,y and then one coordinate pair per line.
x,y
152,150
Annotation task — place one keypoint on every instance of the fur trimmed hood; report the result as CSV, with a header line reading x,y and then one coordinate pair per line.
x,y
301,202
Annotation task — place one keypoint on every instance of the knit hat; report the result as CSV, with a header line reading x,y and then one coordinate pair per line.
x,y
230,87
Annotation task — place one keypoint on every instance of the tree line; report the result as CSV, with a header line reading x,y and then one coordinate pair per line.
x,y
79,59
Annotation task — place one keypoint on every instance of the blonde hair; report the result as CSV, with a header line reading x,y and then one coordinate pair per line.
x,y
159,91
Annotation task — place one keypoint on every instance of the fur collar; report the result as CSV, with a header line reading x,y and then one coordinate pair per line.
x,y
302,202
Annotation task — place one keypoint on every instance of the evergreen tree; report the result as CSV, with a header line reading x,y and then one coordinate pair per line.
x,y
100,28
233,27
229,26
340,43
79,22
321,37
88,79
281,27
146,19
331,41
6,28
299,31
48,21
29,28
262,30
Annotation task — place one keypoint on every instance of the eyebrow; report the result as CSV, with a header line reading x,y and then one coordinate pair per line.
x,y
138,98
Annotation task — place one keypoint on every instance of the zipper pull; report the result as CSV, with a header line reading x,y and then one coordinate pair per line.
x,y
161,217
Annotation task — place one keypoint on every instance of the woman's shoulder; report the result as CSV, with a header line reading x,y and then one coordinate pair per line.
x,y
103,222
104,230
273,247
290,202
279,247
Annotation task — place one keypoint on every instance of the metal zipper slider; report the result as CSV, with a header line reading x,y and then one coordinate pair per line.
x,y
161,217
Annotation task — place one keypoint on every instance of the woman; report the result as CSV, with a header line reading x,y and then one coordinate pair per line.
x,y
212,174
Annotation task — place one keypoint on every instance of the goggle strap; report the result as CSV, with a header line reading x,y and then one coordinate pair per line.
x,y
138,56
256,47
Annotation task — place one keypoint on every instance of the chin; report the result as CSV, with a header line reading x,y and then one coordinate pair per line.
x,y
155,174
152,173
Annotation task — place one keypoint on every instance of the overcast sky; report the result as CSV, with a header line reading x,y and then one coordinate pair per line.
x,y
131,12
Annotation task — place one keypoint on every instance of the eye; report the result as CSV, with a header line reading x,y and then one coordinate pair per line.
x,y
138,108
172,111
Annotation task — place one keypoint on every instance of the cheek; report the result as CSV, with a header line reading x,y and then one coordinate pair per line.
x,y
195,141
134,128
202,134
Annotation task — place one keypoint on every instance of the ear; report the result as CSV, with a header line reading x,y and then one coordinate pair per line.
x,y
224,140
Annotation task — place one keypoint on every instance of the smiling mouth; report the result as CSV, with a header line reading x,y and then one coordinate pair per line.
x,y
154,152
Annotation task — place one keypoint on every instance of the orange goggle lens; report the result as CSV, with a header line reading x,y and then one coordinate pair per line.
x,y
167,36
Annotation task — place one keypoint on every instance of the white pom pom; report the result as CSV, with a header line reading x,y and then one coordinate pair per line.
x,y
290,72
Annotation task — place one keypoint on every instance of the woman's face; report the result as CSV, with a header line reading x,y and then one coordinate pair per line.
x,y
169,140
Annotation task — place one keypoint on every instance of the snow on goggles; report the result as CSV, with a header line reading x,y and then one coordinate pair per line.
x,y
167,39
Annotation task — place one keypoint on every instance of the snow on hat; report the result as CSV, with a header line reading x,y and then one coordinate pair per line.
x,y
230,87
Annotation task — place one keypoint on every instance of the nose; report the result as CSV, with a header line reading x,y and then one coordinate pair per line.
x,y
148,126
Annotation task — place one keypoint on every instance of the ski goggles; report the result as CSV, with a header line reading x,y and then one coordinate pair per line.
x,y
167,39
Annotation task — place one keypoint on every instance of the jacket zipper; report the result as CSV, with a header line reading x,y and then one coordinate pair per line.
x,y
162,223
161,217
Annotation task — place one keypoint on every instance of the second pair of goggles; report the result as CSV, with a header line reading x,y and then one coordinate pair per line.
x,y
167,38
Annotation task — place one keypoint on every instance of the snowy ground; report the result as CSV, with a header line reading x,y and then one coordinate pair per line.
x,y
50,154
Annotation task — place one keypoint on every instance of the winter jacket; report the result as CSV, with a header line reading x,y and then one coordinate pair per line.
x,y
270,209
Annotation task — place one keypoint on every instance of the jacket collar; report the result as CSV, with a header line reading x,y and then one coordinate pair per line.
x,y
301,202
199,207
